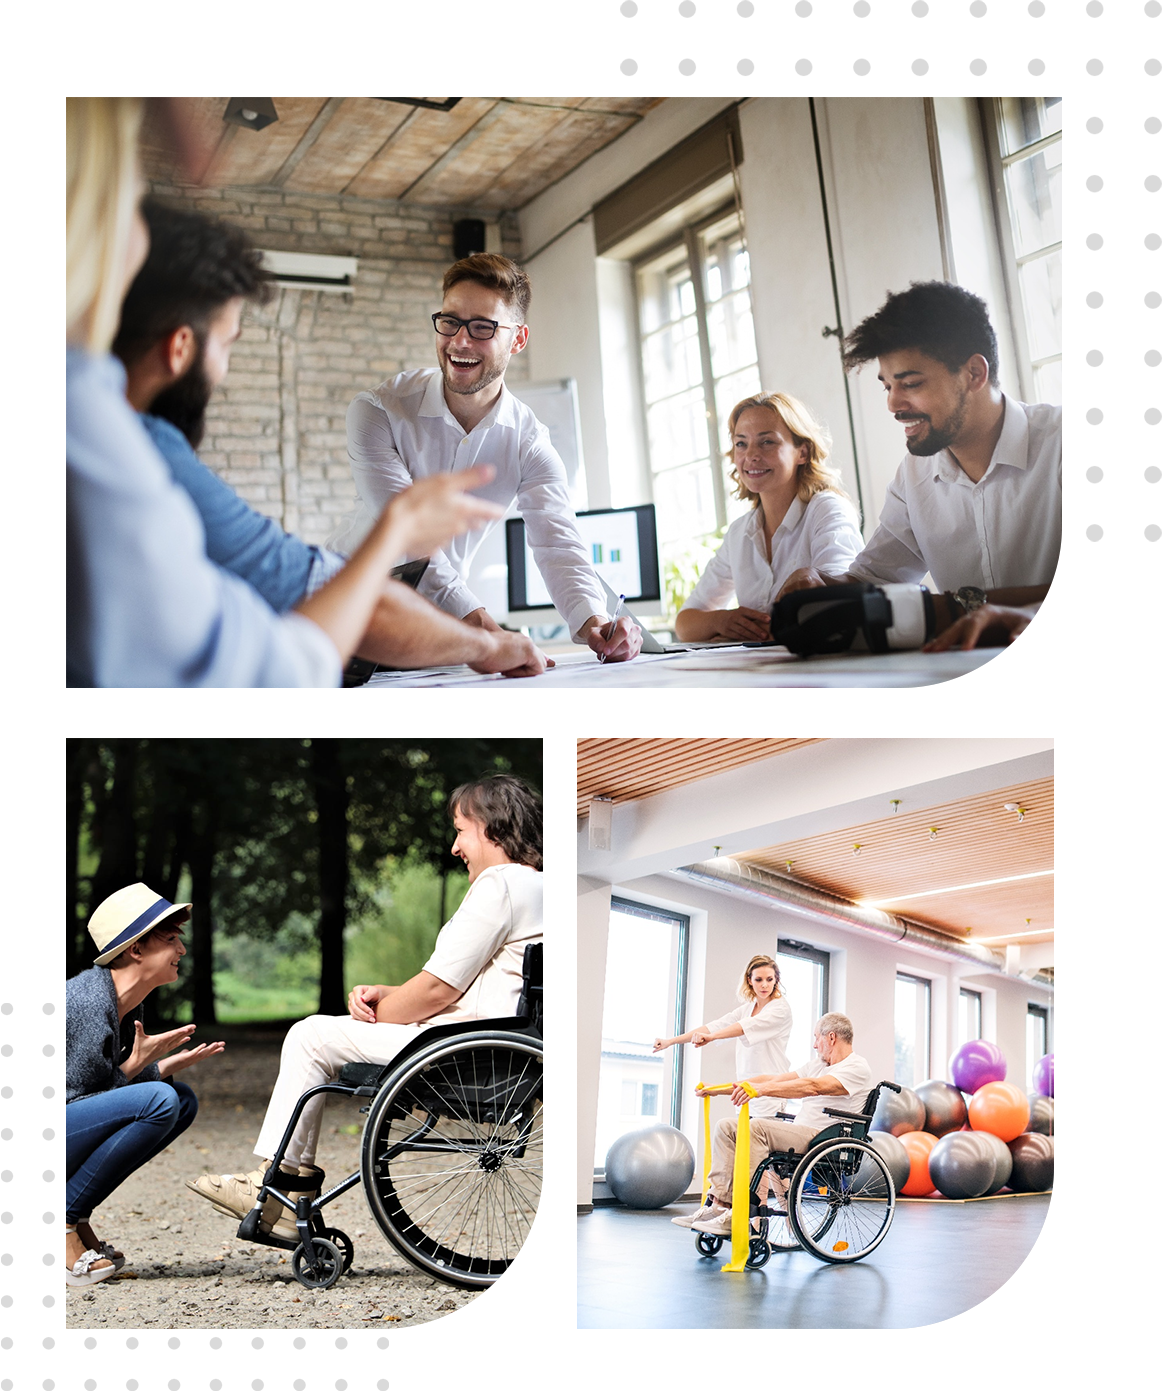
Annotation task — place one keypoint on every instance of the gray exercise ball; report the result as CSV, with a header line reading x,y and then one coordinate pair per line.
x,y
899,1112
1041,1115
651,1167
893,1155
1003,1157
1032,1163
944,1108
961,1166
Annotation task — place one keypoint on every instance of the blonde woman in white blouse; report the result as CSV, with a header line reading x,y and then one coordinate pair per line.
x,y
761,1025
800,511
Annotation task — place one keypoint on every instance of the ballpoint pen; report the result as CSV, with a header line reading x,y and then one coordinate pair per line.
x,y
612,623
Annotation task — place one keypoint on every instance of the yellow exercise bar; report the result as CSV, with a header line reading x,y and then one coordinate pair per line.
x,y
740,1181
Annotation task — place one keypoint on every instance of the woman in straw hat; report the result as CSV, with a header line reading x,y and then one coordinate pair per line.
x,y
123,1105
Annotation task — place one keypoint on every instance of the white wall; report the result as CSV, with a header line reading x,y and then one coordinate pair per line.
x,y
592,944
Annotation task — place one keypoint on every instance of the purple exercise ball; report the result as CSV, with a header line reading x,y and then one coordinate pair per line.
x,y
976,1063
1043,1076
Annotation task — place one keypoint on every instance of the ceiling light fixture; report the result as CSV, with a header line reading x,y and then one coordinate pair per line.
x,y
445,104
895,804
932,833
855,850
255,113
1017,808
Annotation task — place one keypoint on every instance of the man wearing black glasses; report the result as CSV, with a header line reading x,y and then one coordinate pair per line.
x,y
437,421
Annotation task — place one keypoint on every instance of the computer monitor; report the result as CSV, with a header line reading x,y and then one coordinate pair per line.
x,y
622,544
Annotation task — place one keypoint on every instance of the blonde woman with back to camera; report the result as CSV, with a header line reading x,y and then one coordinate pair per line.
x,y
761,1025
799,509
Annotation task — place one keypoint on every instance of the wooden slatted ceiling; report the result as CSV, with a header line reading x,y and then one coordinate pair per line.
x,y
626,769
976,840
493,154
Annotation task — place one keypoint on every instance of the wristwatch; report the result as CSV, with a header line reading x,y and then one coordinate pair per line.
x,y
970,597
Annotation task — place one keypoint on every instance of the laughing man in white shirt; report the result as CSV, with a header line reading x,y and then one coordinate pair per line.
x,y
976,502
444,420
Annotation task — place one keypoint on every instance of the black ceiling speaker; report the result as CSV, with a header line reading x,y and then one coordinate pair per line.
x,y
255,113
467,237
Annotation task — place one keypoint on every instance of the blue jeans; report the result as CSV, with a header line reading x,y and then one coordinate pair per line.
x,y
110,1135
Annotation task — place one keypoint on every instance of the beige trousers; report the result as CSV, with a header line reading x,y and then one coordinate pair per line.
x,y
765,1135
313,1052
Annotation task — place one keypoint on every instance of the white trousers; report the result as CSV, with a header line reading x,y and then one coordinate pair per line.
x,y
313,1052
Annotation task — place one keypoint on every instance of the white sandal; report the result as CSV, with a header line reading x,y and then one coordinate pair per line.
x,y
86,1273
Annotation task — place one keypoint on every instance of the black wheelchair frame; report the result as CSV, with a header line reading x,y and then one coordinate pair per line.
x,y
451,1153
840,1198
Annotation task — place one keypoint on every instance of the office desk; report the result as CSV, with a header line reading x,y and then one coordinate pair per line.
x,y
715,667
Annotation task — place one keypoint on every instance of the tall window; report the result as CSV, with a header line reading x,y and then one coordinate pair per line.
x,y
804,973
1036,1039
913,1029
968,1016
698,359
645,996
1028,154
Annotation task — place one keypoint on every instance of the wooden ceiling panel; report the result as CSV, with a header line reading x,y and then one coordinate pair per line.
x,y
489,148
420,143
353,136
204,115
249,157
627,769
899,860
564,147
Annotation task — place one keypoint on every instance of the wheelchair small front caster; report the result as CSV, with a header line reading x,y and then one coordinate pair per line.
x,y
759,1254
708,1244
328,1264
344,1244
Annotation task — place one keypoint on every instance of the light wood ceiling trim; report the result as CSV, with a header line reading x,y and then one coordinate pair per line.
x,y
976,840
421,143
568,144
628,769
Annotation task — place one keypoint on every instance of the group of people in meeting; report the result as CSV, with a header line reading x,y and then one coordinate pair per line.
x,y
174,580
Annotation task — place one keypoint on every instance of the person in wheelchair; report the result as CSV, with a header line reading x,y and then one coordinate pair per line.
x,y
474,972
837,1073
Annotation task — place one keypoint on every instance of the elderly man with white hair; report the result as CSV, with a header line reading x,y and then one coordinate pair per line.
x,y
836,1072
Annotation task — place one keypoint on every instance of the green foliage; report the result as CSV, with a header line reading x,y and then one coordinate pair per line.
x,y
683,567
396,933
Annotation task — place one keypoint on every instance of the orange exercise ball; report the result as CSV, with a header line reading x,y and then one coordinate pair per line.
x,y
1001,1108
919,1146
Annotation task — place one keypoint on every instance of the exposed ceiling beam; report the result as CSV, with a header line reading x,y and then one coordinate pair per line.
x,y
396,135
307,139
456,149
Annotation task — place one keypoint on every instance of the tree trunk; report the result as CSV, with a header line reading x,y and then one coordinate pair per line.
x,y
78,753
202,922
331,801
115,829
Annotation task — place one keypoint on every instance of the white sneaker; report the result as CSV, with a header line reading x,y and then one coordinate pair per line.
x,y
718,1225
688,1220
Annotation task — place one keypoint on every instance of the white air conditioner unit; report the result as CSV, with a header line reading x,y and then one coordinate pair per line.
x,y
304,271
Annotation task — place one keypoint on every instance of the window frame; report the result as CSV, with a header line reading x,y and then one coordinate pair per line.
x,y
791,947
688,237
924,981
1039,1012
978,996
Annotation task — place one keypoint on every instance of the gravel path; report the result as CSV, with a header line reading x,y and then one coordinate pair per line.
x,y
189,1271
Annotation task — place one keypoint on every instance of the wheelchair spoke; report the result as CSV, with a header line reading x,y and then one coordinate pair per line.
x,y
842,1201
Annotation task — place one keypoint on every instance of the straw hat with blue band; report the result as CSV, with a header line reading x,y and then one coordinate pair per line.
x,y
126,916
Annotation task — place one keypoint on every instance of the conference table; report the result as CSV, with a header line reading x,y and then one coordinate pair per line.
x,y
723,666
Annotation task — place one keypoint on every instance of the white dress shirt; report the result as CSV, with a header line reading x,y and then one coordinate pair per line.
x,y
822,532
403,431
145,605
1004,530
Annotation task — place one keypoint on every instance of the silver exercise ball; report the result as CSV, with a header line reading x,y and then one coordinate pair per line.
x,y
1003,1157
1041,1115
893,1154
899,1112
944,1107
962,1166
651,1167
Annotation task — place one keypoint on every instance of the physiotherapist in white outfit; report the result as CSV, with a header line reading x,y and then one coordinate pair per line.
x,y
761,1028
443,420
474,972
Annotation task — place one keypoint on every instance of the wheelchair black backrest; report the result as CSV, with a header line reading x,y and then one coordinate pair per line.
x,y
548,994
854,1124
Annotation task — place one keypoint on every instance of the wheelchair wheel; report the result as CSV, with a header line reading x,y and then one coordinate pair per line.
x,y
327,1269
453,1155
781,1236
834,1217
759,1254
344,1244
708,1244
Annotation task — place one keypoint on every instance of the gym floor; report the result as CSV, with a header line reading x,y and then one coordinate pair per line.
x,y
637,1271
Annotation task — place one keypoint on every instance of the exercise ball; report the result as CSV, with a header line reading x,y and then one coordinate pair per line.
x,y
976,1063
962,1165
918,1145
1001,1154
893,1155
1001,1108
1043,1076
1032,1163
898,1112
650,1168
944,1108
1041,1115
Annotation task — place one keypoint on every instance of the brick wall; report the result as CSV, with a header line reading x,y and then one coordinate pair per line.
x,y
275,429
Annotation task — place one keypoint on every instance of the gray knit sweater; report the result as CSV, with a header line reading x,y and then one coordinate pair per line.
x,y
96,1042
